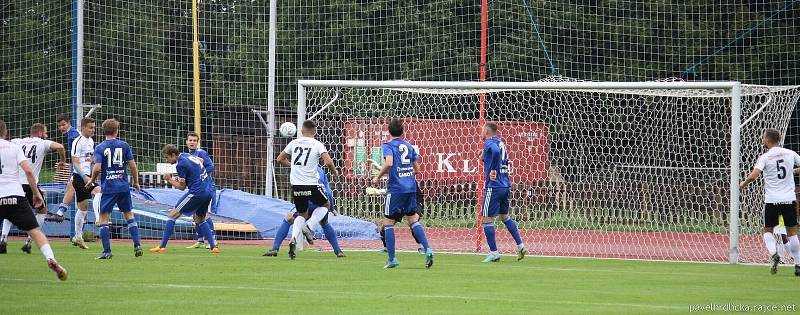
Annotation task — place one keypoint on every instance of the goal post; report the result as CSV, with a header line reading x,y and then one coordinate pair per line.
x,y
566,188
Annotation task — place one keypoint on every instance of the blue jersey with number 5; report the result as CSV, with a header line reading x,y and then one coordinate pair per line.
x,y
191,169
495,158
401,175
113,156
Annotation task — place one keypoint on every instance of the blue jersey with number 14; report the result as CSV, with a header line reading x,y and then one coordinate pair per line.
x,y
191,169
401,175
113,156
495,158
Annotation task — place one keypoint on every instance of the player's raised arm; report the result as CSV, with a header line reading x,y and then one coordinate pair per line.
x,y
170,153
754,174
283,159
62,154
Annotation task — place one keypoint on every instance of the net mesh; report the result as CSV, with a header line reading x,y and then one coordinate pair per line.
x,y
630,174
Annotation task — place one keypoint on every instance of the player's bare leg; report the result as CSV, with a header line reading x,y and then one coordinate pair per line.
x,y
41,241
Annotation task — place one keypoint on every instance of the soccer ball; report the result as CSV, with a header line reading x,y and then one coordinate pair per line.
x,y
288,129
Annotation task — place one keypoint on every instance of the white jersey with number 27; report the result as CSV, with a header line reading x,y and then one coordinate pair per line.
x,y
35,149
777,167
304,155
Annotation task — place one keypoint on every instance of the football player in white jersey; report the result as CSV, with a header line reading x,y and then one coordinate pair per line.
x,y
13,205
35,148
303,155
82,158
779,197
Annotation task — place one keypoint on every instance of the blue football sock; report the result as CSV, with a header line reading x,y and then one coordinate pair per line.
x,y
511,225
330,234
105,235
283,231
198,233
389,230
419,234
488,230
168,229
211,227
133,229
203,226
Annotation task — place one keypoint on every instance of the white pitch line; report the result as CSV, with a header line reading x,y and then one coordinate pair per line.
x,y
338,294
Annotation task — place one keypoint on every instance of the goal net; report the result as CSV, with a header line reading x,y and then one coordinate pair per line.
x,y
640,173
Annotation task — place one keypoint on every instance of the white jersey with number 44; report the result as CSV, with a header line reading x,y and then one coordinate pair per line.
x,y
777,167
11,157
304,155
35,149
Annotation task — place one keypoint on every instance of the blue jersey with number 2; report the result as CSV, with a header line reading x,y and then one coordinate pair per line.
x,y
401,175
113,156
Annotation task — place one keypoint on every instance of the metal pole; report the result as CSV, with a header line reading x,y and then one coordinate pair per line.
x,y
77,63
481,120
273,25
736,128
301,106
196,67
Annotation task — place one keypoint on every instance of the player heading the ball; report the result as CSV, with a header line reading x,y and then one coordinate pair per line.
x,y
401,163
305,153
779,197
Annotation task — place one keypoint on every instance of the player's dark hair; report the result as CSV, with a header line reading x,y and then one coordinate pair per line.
x,y
772,135
491,126
87,120
37,127
192,134
309,126
3,129
62,117
110,127
170,150
396,127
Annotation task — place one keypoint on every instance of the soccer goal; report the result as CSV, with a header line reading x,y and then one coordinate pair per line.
x,y
642,170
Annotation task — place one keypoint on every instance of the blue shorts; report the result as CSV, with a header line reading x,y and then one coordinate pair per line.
x,y
194,204
399,205
121,199
495,201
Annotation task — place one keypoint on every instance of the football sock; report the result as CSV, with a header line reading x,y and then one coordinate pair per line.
x,y
489,231
105,236
317,216
297,228
80,219
794,246
419,234
511,225
6,230
769,241
203,226
198,233
96,208
47,252
389,230
330,234
283,231
168,229
133,229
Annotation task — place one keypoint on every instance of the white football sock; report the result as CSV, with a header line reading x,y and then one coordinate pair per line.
x,y
794,246
6,230
297,228
769,241
96,209
80,219
47,252
316,217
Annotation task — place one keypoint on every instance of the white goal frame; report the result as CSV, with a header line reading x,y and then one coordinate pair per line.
x,y
733,90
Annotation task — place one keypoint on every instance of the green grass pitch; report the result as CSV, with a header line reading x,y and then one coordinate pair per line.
x,y
240,281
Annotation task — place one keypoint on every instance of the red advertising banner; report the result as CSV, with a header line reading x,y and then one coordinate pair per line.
x,y
450,149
